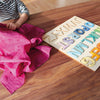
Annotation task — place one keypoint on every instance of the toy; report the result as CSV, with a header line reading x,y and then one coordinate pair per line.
x,y
79,39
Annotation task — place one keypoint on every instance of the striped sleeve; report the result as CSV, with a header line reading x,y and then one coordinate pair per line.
x,y
21,7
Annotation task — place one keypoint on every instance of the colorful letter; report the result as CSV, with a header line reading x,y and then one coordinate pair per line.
x,y
74,36
93,35
68,40
87,40
79,31
82,45
89,24
88,61
63,45
97,30
74,53
85,28
95,52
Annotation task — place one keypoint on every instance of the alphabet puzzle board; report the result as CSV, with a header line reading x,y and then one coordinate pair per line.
x,y
79,39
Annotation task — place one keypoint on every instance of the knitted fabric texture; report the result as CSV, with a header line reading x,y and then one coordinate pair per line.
x,y
20,52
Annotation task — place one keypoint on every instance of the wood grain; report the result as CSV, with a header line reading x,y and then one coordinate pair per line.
x,y
60,78
36,6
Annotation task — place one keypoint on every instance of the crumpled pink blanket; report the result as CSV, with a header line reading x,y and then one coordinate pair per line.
x,y
20,52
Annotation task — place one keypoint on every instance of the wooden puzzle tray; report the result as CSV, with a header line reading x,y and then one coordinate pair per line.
x,y
79,39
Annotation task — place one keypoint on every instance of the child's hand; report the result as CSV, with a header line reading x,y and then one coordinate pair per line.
x,y
12,26
18,23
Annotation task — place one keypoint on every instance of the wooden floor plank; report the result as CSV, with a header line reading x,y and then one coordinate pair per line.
x,y
36,6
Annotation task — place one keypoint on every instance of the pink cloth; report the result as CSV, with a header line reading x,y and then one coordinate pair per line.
x,y
20,53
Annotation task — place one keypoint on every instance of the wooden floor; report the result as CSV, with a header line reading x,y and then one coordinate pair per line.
x,y
36,6
49,80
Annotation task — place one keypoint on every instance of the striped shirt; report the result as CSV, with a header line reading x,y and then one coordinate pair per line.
x,y
11,9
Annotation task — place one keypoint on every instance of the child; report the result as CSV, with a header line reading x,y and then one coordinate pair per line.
x,y
13,13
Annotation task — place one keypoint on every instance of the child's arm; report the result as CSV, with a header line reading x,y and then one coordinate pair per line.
x,y
22,19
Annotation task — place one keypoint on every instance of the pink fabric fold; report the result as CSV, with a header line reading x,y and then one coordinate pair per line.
x,y
20,52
